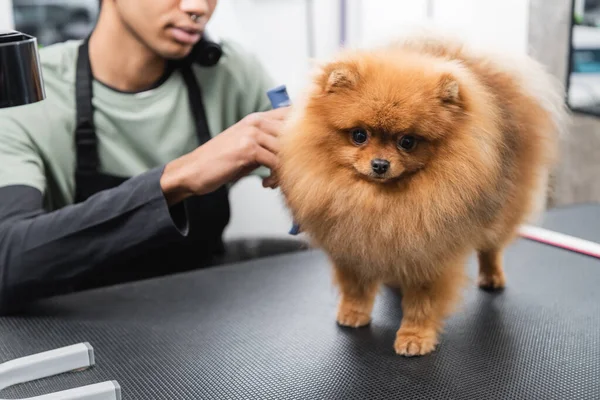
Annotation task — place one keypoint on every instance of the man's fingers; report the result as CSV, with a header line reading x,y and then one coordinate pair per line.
x,y
270,182
269,142
266,158
277,113
271,126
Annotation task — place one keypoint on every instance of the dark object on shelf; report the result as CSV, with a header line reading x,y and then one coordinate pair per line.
x,y
21,80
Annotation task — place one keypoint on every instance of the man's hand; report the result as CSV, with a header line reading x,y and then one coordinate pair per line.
x,y
228,157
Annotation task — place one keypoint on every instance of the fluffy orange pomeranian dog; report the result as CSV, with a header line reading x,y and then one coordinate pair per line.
x,y
402,161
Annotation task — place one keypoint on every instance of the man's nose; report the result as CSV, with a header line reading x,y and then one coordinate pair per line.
x,y
198,7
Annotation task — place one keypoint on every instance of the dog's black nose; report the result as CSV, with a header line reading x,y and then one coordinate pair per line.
x,y
380,166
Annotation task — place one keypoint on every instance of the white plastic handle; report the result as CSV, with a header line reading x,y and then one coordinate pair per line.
x,y
561,240
109,390
54,362
45,364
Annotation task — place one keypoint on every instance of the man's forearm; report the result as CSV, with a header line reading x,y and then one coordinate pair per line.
x,y
41,251
173,181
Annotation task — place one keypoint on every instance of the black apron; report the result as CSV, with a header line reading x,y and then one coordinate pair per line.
x,y
208,215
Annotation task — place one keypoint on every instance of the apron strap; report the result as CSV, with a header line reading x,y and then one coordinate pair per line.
x,y
196,104
86,142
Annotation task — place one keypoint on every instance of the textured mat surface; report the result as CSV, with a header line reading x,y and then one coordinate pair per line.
x,y
267,331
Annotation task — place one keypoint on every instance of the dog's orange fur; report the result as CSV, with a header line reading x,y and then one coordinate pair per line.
x,y
487,141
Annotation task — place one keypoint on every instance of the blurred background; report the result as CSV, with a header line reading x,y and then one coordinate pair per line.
x,y
287,34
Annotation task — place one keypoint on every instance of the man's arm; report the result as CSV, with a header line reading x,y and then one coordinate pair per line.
x,y
43,253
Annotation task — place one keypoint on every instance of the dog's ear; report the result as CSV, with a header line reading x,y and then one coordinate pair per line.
x,y
448,90
340,76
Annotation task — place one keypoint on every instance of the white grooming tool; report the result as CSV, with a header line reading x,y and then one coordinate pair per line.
x,y
54,362
560,240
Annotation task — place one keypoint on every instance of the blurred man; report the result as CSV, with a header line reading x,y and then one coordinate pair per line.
x,y
123,171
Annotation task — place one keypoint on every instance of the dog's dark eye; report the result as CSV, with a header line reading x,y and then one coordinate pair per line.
x,y
359,136
407,142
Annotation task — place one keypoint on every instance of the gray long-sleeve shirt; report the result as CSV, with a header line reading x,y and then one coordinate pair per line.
x,y
44,253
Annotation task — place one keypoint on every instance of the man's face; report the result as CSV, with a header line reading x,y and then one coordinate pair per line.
x,y
166,26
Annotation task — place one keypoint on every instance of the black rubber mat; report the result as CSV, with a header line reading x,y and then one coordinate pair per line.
x,y
266,330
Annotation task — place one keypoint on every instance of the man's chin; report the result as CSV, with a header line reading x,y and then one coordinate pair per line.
x,y
177,52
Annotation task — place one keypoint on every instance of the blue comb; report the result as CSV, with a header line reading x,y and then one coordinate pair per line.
x,y
279,98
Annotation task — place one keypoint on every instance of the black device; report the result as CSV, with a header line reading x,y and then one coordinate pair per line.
x,y
21,80
207,52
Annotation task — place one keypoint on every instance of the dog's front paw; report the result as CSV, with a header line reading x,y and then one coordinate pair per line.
x,y
352,318
492,281
415,343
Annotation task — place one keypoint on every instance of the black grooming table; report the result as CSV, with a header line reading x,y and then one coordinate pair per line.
x,y
266,330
